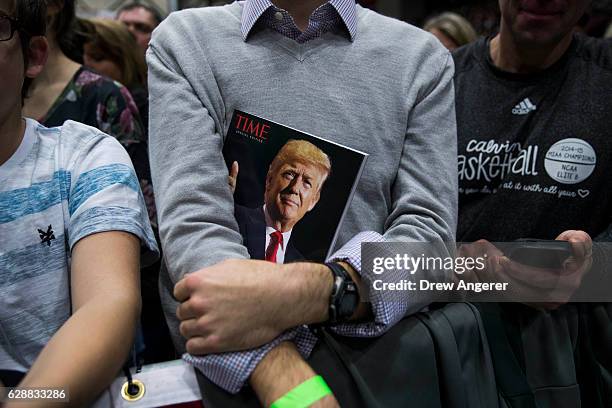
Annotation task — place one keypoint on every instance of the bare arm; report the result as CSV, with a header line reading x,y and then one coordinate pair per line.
x,y
312,286
283,368
279,372
87,352
241,304
235,289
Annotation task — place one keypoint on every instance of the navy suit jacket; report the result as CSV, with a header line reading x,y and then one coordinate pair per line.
x,y
252,224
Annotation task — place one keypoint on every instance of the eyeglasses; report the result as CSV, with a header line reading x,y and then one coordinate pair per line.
x,y
8,26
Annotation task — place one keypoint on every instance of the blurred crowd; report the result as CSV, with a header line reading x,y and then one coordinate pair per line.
x,y
96,73
100,63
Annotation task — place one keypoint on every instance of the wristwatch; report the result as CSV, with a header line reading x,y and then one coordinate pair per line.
x,y
344,298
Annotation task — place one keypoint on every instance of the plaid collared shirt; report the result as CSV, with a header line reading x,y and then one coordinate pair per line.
x,y
335,14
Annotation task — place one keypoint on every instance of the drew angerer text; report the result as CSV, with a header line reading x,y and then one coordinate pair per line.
x,y
425,285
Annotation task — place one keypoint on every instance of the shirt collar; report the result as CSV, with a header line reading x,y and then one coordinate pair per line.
x,y
286,236
253,9
270,230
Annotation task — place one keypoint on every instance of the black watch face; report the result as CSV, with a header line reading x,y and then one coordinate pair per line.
x,y
349,301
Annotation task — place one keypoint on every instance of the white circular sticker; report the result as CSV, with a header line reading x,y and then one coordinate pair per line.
x,y
570,161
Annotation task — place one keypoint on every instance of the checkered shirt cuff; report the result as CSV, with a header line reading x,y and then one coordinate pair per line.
x,y
231,371
388,307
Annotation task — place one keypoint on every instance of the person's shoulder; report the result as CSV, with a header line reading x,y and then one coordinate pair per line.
x,y
76,135
40,144
466,56
595,51
384,38
110,105
91,80
394,33
95,87
104,190
79,142
247,214
189,24
199,15
42,132
381,23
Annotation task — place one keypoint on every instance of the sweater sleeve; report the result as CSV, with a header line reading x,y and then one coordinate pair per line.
x,y
194,203
424,199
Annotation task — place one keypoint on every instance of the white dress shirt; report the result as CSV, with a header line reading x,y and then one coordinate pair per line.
x,y
280,254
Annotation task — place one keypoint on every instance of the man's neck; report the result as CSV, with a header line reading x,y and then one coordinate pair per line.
x,y
277,225
12,129
49,85
57,69
299,10
509,56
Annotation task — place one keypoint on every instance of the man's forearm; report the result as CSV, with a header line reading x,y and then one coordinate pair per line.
x,y
281,370
245,308
311,293
106,327
86,353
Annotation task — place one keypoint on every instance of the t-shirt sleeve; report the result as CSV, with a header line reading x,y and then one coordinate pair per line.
x,y
104,191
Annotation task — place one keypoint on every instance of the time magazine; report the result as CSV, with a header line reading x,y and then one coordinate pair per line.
x,y
291,188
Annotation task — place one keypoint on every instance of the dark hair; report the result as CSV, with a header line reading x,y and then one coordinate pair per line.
x,y
64,28
157,15
31,15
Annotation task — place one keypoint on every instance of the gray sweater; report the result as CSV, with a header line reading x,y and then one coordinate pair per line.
x,y
389,93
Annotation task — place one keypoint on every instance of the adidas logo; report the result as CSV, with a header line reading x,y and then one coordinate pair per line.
x,y
524,107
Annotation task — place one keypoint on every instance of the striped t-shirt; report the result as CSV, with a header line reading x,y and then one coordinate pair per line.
x,y
62,184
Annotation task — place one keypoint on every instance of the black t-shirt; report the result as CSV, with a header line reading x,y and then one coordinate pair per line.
x,y
535,151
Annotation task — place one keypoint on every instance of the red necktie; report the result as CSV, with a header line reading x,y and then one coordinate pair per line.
x,y
276,240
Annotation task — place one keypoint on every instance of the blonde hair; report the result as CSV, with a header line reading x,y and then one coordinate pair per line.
x,y
302,151
117,44
608,33
454,26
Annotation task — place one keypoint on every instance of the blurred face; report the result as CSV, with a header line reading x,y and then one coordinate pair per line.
x,y
141,24
292,190
540,22
94,58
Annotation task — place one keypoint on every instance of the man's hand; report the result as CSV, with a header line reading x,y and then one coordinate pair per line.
x,y
233,176
558,285
241,304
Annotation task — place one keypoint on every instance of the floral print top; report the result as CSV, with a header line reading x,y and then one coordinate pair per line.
x,y
98,101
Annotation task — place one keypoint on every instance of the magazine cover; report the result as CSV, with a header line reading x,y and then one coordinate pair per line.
x,y
291,188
